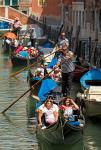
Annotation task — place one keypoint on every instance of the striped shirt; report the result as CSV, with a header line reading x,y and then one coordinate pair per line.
x,y
67,65
62,42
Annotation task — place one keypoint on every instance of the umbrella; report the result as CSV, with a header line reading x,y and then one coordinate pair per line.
x,y
10,35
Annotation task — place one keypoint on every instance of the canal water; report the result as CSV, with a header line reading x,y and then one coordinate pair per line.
x,y
18,125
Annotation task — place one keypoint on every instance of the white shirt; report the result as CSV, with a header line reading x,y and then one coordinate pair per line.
x,y
68,111
62,42
48,70
8,41
49,115
55,107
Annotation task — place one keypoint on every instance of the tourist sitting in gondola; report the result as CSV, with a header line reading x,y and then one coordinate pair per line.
x,y
24,52
33,78
33,52
46,70
68,107
38,73
56,75
49,111
19,48
62,40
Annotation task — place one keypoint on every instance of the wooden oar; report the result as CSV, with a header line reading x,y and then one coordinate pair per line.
x,y
26,92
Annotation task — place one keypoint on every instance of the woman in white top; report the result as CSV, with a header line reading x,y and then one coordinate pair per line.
x,y
50,111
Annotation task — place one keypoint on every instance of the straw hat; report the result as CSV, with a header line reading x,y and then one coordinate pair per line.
x,y
17,18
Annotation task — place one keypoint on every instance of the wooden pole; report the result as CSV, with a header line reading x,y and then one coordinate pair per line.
x,y
25,92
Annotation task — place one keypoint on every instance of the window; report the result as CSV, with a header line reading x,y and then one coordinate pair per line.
x,y
73,17
24,11
11,2
83,20
93,20
14,2
100,20
79,18
7,2
42,2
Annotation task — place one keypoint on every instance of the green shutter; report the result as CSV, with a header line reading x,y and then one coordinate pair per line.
x,y
7,2
14,2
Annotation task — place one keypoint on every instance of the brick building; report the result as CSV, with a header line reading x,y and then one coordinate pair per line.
x,y
25,6
9,9
51,12
71,13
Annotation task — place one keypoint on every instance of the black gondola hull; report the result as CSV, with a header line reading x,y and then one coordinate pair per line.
x,y
20,61
60,134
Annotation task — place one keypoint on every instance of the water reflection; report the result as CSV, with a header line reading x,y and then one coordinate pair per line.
x,y
30,110
93,133
14,130
6,61
15,136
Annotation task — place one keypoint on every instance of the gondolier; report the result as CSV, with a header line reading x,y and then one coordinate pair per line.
x,y
67,68
63,40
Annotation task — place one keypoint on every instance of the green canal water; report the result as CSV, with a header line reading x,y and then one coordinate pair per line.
x,y
18,125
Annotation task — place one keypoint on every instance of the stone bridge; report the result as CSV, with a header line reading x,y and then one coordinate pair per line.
x,y
8,14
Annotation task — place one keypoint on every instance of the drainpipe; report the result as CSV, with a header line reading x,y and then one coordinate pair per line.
x,y
62,12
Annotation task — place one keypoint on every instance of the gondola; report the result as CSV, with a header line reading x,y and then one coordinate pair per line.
x,y
18,61
61,132
91,97
79,72
6,48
